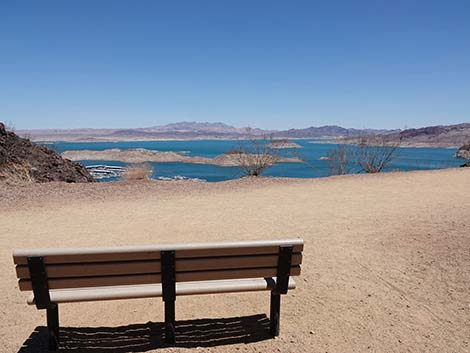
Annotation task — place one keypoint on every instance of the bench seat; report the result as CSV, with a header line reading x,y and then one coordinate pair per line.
x,y
155,290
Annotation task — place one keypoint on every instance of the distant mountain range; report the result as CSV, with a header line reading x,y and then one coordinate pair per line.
x,y
190,130
444,136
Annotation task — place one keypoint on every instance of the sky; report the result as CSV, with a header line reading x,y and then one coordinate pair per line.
x,y
269,64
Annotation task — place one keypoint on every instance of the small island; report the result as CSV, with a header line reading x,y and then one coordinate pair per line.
x,y
284,143
142,155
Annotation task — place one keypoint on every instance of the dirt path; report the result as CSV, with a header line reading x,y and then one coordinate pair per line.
x,y
386,267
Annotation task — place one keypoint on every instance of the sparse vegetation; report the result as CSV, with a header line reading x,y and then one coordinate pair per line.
x,y
16,174
374,153
340,160
254,157
367,154
141,171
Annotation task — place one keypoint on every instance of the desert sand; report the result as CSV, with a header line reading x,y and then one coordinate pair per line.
x,y
386,266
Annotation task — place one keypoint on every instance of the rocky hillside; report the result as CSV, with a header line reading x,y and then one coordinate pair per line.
x,y
436,136
329,131
444,136
464,152
22,160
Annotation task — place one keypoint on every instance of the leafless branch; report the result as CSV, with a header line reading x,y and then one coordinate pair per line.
x,y
374,154
253,158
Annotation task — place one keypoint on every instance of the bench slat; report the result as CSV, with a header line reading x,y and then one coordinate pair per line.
x,y
155,290
152,252
148,267
80,282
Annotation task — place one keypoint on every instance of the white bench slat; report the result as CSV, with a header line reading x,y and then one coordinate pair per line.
x,y
155,290
153,251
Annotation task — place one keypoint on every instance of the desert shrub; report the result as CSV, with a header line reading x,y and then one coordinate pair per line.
x,y
16,174
340,160
138,172
374,153
254,157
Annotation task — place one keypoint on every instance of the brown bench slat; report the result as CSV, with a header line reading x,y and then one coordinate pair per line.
x,y
148,267
81,258
80,282
56,256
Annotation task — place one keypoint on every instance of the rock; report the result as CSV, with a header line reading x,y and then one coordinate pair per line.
x,y
21,159
464,153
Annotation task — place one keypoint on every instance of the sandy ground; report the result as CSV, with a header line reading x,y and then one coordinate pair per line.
x,y
386,267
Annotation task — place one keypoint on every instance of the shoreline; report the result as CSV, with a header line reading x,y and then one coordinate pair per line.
x,y
312,140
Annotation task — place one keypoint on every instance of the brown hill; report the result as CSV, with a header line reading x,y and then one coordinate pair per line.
x,y
22,160
446,136
436,136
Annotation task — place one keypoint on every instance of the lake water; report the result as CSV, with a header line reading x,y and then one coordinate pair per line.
x,y
406,158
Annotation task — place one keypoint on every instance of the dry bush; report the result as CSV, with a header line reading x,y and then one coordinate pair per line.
x,y
374,153
340,160
16,174
253,158
138,172
10,125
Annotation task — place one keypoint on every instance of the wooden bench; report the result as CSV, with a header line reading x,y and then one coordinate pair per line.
x,y
58,276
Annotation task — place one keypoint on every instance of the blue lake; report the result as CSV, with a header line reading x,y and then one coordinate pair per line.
x,y
406,158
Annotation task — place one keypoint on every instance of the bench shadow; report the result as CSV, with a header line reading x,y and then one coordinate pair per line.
x,y
150,336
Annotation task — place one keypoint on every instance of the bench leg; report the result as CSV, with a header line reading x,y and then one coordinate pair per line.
x,y
275,313
170,321
53,326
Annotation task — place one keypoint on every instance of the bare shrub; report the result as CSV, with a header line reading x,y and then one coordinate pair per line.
x,y
340,160
256,156
10,125
138,172
374,153
16,174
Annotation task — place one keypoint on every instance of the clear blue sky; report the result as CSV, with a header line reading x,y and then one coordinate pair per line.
x,y
267,64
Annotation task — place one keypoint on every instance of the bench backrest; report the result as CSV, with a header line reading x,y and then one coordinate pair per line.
x,y
115,266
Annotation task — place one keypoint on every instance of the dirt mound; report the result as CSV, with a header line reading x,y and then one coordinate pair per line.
x,y
22,160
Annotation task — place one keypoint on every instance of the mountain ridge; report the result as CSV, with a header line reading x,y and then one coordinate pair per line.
x,y
188,130
439,135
